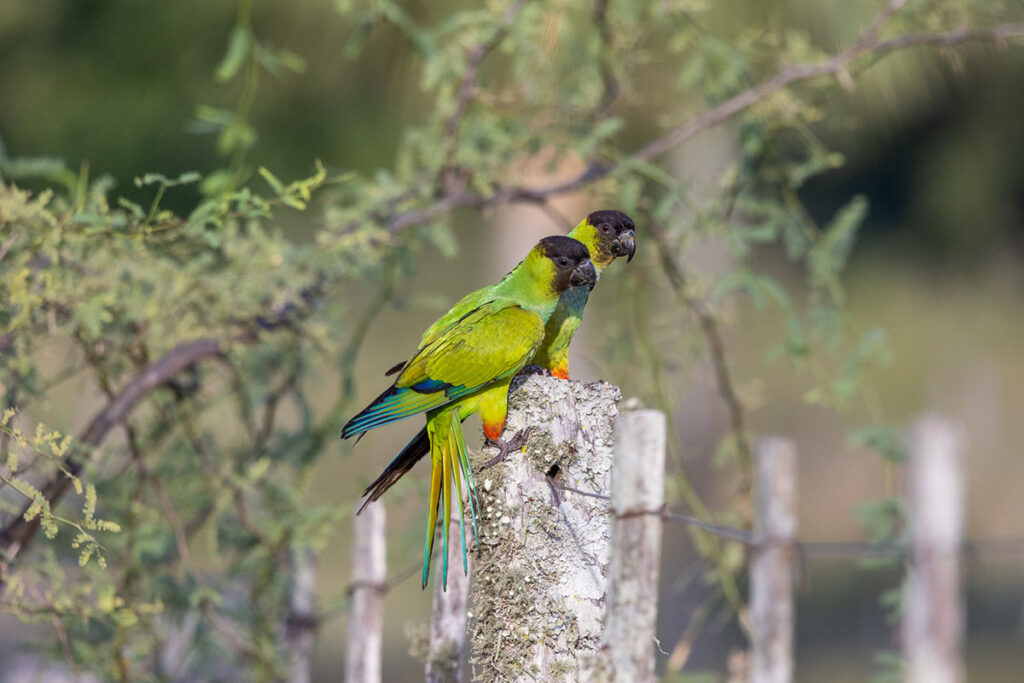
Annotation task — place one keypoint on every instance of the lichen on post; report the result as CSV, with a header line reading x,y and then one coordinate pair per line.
x,y
539,587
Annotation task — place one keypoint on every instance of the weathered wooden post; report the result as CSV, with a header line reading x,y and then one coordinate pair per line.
x,y
301,627
448,622
366,616
771,572
638,488
934,618
538,588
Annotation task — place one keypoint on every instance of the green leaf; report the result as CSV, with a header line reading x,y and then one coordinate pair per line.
x,y
217,183
886,439
293,201
234,58
272,180
150,179
291,61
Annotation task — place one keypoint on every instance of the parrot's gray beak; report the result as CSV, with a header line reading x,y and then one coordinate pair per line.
x,y
624,245
584,275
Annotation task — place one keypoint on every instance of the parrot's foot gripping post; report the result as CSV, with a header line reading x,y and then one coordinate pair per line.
x,y
507,447
534,369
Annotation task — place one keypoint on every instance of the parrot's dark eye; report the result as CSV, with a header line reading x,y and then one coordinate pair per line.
x,y
563,262
605,228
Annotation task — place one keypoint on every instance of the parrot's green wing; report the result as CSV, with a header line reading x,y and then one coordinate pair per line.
x,y
488,343
466,304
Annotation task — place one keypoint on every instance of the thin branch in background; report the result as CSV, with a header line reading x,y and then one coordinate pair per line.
x,y
163,500
474,60
18,532
223,479
716,352
838,66
694,627
395,580
6,245
274,396
58,627
611,88
726,390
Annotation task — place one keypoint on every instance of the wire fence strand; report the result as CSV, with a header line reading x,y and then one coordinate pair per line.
x,y
1007,547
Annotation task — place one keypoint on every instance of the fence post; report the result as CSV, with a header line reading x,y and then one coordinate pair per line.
x,y
638,483
933,620
771,572
301,626
448,623
539,586
366,618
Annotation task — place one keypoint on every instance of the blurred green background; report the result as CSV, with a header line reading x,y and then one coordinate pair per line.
x,y
934,141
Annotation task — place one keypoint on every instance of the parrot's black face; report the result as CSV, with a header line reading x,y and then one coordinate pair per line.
x,y
615,234
571,261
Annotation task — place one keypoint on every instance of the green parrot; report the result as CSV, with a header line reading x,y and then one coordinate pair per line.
x,y
607,235
464,364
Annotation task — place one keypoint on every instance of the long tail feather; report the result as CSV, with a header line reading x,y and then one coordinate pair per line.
x,y
467,472
447,480
449,467
436,471
394,404
398,403
453,449
418,447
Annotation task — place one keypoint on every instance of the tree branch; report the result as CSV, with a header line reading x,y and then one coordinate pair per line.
x,y
868,44
474,60
18,532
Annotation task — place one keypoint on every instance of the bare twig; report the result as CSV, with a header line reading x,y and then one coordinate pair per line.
x,y
716,352
58,627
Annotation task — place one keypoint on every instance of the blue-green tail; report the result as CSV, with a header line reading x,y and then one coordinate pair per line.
x,y
449,468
